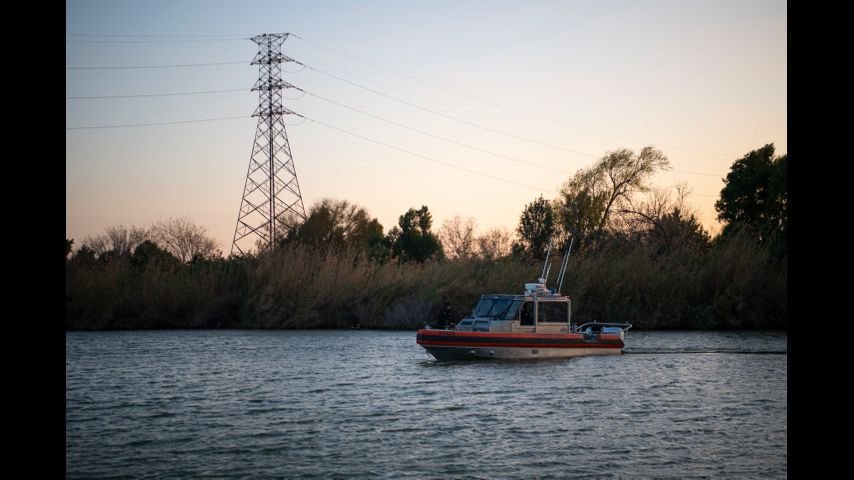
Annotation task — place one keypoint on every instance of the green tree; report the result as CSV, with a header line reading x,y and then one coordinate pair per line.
x,y
536,227
590,198
148,253
68,244
677,230
755,197
412,238
581,205
339,224
84,256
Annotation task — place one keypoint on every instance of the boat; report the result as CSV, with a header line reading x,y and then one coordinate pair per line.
x,y
534,324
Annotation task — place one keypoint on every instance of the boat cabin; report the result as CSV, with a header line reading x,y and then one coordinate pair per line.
x,y
538,310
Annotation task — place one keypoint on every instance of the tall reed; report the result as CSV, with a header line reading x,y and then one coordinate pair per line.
x,y
735,284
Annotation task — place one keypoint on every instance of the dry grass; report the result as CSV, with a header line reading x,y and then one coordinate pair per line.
x,y
734,285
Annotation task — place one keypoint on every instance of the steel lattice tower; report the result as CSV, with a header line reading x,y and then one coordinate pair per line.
x,y
271,200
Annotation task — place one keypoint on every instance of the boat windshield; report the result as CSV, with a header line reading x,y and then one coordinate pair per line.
x,y
498,308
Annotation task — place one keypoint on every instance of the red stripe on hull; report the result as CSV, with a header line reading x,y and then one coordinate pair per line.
x,y
517,345
553,336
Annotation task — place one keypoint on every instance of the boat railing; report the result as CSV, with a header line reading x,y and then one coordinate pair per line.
x,y
600,325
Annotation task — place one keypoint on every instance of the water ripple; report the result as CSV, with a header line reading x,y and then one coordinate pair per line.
x,y
363,404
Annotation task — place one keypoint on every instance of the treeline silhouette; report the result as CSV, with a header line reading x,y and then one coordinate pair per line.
x,y
639,256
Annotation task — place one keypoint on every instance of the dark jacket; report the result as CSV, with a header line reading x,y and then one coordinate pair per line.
x,y
445,318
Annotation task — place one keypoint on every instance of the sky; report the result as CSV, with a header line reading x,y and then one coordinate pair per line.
x,y
554,85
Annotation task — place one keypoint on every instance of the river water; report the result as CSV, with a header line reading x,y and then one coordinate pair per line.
x,y
366,404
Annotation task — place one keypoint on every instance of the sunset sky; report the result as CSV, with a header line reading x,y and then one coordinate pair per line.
x,y
703,81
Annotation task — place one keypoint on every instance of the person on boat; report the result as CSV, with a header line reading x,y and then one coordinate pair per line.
x,y
445,317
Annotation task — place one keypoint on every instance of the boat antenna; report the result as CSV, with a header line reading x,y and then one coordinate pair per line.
x,y
562,272
546,264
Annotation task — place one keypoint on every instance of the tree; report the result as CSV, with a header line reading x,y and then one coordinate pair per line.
x,y
536,227
663,224
755,197
589,199
412,238
625,173
68,244
117,241
494,244
84,256
458,240
148,253
339,224
581,205
778,206
680,230
183,239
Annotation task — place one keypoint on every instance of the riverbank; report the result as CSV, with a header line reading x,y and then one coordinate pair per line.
x,y
734,285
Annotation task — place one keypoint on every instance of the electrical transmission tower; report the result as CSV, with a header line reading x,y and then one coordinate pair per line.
x,y
271,202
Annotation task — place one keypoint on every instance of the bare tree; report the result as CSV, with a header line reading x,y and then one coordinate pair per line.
x,y
625,173
662,221
458,237
589,199
495,244
637,217
183,238
118,240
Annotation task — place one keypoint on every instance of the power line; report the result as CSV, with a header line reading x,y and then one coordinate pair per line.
x,y
378,142
457,119
457,142
696,173
425,156
468,122
158,41
433,135
230,37
487,116
154,35
433,100
461,143
471,123
359,86
333,102
157,94
87,127
505,107
128,67
351,108
336,103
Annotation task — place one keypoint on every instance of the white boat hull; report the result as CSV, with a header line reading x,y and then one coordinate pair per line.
x,y
451,353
